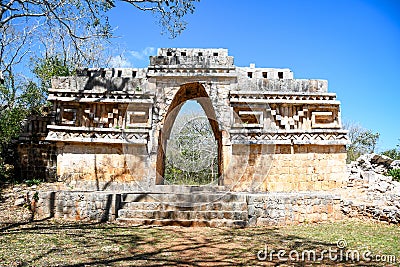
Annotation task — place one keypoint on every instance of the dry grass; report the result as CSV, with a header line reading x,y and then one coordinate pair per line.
x,y
52,243
56,243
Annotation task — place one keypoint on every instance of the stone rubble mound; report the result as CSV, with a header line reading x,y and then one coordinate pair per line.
x,y
370,192
14,205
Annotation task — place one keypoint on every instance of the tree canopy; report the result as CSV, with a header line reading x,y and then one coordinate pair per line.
x,y
72,28
192,151
40,39
362,141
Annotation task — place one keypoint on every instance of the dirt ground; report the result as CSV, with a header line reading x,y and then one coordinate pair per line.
x,y
10,213
59,243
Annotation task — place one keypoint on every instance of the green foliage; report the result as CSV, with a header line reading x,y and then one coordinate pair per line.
x,y
177,176
363,141
392,153
19,100
192,153
34,181
10,124
395,173
6,171
51,66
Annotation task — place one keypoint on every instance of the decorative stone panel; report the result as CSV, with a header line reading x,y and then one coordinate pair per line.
x,y
274,132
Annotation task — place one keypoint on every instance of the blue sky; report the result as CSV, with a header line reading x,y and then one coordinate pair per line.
x,y
354,44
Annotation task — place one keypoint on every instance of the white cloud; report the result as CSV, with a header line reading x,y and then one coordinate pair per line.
x,y
149,51
136,55
120,62
141,55
130,59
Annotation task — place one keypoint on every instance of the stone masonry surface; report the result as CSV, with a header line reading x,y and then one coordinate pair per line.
x,y
274,133
366,193
369,193
281,146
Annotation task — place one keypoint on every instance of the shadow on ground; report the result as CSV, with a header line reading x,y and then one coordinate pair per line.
x,y
49,243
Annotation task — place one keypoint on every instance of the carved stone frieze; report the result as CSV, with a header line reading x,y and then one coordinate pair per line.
x,y
297,138
100,135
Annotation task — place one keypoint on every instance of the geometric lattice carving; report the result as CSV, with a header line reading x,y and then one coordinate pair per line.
x,y
68,116
324,119
339,137
138,116
295,118
97,136
281,97
248,118
288,111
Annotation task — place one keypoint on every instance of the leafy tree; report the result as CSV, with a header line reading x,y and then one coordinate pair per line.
x,y
362,140
75,15
12,112
393,153
76,29
191,155
19,100
49,67
56,35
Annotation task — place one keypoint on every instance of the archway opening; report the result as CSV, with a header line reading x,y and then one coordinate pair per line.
x,y
191,156
188,137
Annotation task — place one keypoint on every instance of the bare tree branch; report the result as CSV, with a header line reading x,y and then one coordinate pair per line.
x,y
78,25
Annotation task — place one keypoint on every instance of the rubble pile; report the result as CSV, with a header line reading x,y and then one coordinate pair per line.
x,y
369,191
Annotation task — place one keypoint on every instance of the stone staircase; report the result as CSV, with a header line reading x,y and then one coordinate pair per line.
x,y
184,206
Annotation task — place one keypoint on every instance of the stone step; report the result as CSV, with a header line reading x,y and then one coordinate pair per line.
x,y
185,223
186,188
185,206
182,215
203,197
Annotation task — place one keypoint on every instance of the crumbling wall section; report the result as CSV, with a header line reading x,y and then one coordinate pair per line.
x,y
37,158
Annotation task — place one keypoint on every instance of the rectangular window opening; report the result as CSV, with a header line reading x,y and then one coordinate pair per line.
x,y
119,73
265,74
250,74
169,53
183,54
215,54
280,75
200,54
133,74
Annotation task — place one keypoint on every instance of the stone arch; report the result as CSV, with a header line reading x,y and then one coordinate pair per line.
x,y
189,91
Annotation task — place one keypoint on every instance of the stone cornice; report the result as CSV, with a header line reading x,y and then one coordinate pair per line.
x,y
97,135
321,137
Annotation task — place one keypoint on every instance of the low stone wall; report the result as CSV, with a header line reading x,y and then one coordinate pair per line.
x,y
37,161
75,205
263,209
293,208
367,193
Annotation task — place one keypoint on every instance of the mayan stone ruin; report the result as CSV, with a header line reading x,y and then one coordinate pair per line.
x,y
280,141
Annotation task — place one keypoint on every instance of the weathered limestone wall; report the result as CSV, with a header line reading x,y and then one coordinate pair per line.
x,y
103,167
286,168
274,133
308,168
262,209
37,161
77,206
37,157
293,208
